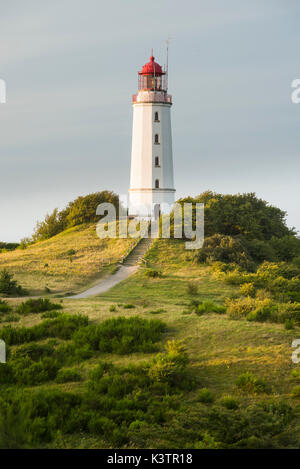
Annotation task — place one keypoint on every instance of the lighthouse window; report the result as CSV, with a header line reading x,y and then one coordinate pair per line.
x,y
156,161
156,118
156,183
156,138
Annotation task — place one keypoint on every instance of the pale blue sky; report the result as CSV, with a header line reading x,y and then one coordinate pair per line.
x,y
71,68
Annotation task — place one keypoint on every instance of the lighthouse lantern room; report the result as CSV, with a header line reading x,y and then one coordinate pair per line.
x,y
151,180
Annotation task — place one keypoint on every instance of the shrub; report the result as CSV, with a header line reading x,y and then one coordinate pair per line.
x,y
24,371
289,324
51,314
226,249
288,311
170,366
261,250
252,308
296,391
62,327
34,351
241,214
199,307
205,396
192,288
37,306
67,375
153,273
4,307
129,306
248,289
121,335
249,383
79,211
157,311
8,286
296,374
112,308
229,402
12,318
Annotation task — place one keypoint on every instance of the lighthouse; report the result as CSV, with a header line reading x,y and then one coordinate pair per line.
x,y
151,190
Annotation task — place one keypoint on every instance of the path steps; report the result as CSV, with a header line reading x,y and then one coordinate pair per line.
x,y
129,267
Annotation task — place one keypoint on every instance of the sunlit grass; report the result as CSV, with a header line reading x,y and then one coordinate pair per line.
x,y
48,264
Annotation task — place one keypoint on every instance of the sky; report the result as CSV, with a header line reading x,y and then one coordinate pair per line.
x,y
70,67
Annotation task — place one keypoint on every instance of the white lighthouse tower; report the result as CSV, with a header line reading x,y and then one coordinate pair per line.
x,y
151,181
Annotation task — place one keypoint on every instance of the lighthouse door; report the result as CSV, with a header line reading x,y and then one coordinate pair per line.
x,y
157,211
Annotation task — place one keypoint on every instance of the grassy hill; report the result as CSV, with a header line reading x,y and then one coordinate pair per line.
x,y
211,406
66,262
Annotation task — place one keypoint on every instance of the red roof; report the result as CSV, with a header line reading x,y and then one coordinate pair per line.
x,y
152,68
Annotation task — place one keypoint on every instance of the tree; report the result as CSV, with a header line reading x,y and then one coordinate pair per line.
x,y
241,214
79,211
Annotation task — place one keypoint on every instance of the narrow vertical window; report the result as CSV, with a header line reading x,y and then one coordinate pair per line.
x,y
156,138
156,183
156,161
156,118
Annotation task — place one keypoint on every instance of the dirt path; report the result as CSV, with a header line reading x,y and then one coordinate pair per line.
x,y
130,266
109,282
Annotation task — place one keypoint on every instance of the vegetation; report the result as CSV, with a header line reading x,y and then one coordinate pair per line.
x,y
8,286
78,212
46,264
212,370
37,306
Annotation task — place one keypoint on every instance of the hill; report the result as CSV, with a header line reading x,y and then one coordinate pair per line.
x,y
66,262
238,389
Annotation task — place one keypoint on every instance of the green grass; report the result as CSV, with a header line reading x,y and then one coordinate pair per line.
x,y
67,262
220,349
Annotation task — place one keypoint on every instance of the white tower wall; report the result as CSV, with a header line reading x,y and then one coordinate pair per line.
x,y
143,193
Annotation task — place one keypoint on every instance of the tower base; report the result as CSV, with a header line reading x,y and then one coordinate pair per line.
x,y
151,203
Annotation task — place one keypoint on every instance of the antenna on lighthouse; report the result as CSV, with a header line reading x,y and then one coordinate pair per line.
x,y
167,70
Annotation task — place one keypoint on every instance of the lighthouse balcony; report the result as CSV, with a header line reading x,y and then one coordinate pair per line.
x,y
151,97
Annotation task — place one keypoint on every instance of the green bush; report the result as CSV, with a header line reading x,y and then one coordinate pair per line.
x,y
8,286
62,327
112,308
249,383
128,306
253,308
153,273
241,215
51,314
24,371
296,391
205,396
192,288
229,402
67,375
225,249
82,210
289,324
121,335
296,374
11,318
37,306
199,307
170,367
4,307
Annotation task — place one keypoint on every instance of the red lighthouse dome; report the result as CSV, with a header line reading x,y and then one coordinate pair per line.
x,y
152,68
152,77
